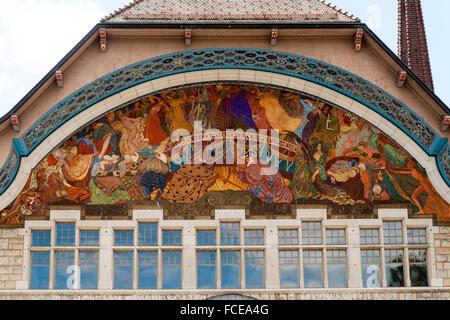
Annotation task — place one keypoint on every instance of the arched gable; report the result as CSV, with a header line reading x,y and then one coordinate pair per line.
x,y
253,66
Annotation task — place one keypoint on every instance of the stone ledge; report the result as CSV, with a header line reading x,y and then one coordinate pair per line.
x,y
267,294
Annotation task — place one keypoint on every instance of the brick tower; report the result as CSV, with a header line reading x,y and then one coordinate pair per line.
x,y
412,40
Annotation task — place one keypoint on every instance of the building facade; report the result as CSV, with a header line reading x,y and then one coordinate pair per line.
x,y
276,151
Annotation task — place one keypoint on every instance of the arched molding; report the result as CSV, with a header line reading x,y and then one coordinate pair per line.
x,y
26,155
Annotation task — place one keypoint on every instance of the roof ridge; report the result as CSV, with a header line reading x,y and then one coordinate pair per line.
x,y
120,10
346,13
132,4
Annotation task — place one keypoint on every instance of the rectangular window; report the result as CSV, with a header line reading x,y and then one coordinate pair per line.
x,y
206,237
148,269
337,268
289,269
417,236
171,237
254,269
63,261
313,274
254,237
394,268
312,233
89,238
418,268
40,270
369,236
65,234
206,269
229,234
336,236
392,231
88,270
123,238
288,237
41,238
148,234
171,270
123,270
370,263
231,269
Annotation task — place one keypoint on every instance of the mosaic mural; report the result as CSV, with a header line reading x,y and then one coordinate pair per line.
x,y
263,60
323,153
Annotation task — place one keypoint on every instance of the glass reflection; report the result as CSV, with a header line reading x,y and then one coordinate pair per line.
x,y
394,268
289,269
171,270
148,234
89,238
206,270
63,260
313,273
254,269
123,270
418,268
65,234
370,263
148,270
40,238
88,270
230,262
40,270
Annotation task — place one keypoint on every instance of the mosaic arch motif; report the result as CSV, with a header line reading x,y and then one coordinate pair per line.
x,y
264,60
325,153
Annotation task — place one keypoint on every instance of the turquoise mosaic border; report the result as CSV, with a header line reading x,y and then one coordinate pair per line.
x,y
252,59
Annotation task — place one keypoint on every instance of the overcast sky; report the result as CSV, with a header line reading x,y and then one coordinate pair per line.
x,y
36,34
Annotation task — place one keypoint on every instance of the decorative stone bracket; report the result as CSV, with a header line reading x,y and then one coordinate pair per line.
x,y
357,45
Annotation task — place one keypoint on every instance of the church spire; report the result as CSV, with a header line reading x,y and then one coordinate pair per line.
x,y
412,40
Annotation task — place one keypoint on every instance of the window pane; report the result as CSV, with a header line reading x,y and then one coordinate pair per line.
x,y
40,270
392,231
337,269
394,268
41,238
65,234
370,263
288,237
417,236
206,237
123,238
123,270
229,234
171,237
313,274
206,270
254,237
89,238
418,268
64,260
231,278
312,233
148,270
148,234
88,270
289,269
336,236
254,269
369,236
171,270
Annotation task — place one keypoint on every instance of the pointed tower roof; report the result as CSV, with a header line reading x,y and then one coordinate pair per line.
x,y
412,40
229,11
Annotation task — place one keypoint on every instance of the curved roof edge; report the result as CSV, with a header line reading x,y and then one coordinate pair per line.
x,y
95,30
